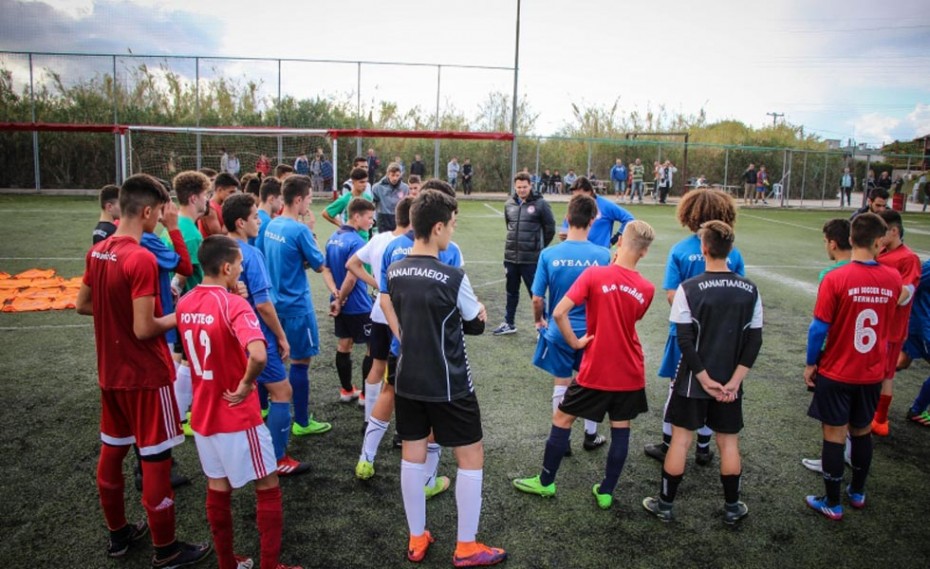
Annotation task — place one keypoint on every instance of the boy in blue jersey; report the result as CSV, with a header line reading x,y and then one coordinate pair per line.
x,y
918,346
290,247
557,270
608,212
271,202
240,217
684,262
350,310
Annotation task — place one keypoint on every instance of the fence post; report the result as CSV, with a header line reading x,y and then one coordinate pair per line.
x,y
35,134
436,123
784,172
803,178
823,187
116,137
278,108
726,169
197,110
865,181
358,108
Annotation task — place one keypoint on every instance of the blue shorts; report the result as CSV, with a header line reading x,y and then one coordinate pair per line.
x,y
670,359
274,370
556,357
302,335
916,347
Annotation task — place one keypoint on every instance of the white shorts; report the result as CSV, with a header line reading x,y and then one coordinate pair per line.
x,y
240,457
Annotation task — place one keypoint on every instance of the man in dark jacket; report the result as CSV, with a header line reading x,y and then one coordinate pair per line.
x,y
530,228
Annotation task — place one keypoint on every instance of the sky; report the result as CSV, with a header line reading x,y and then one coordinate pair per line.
x,y
844,69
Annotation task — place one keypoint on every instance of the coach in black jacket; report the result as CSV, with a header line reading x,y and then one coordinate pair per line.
x,y
530,228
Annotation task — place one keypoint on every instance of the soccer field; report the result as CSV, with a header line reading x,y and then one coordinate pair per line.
x,y
50,440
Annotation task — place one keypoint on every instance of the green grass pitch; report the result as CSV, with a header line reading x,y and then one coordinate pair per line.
x,y
49,441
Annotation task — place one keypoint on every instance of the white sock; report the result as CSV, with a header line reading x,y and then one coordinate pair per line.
x,y
433,454
372,391
705,431
411,487
468,501
590,427
183,390
558,392
373,435
666,426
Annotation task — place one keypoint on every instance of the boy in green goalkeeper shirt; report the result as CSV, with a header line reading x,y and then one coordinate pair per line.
x,y
337,208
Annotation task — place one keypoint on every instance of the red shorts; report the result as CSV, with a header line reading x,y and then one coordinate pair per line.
x,y
145,417
891,364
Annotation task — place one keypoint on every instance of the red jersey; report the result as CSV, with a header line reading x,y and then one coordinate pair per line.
x,y
118,271
210,225
216,327
907,264
858,301
615,299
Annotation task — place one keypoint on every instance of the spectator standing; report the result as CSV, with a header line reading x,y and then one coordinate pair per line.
x,y
884,181
452,170
530,228
302,165
400,162
637,172
417,168
224,160
263,166
618,175
373,163
386,193
668,179
749,183
316,171
232,164
870,182
326,172
467,173
847,183
762,184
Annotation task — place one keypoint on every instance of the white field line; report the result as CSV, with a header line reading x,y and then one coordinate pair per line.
x,y
489,283
494,209
806,286
809,228
42,327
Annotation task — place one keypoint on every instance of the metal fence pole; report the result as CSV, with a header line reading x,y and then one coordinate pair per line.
x,y
784,172
865,186
823,188
436,122
197,110
35,134
803,178
280,138
538,142
119,176
358,108
726,168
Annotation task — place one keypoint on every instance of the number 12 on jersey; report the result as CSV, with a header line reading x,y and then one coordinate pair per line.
x,y
207,374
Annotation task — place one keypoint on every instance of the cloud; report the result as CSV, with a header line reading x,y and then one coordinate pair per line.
x,y
919,118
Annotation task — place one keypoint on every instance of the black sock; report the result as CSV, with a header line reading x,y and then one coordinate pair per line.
x,y
832,463
166,551
731,487
666,441
555,450
703,443
344,369
120,535
366,368
669,486
861,455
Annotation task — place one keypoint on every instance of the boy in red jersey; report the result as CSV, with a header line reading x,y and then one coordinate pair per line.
x,y
854,313
901,258
227,352
615,298
120,290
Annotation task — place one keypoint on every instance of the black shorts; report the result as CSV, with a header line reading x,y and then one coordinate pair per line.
x,y
391,369
692,413
355,326
593,404
379,343
453,423
836,403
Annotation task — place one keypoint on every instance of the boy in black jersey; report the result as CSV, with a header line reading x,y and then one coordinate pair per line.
x,y
431,306
109,213
718,317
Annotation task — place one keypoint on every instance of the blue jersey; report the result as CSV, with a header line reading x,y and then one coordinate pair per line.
x,y
167,261
602,229
920,312
260,238
254,274
400,247
557,270
685,261
289,249
344,243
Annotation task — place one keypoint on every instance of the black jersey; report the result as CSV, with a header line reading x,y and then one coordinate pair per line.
x,y
103,230
432,300
720,315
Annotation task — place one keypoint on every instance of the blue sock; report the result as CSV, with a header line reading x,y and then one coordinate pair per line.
x,y
923,398
279,423
262,396
556,445
299,376
616,458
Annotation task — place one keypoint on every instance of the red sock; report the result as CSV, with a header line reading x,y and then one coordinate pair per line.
x,y
881,414
110,485
158,500
269,517
219,514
